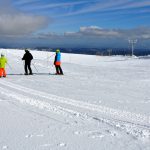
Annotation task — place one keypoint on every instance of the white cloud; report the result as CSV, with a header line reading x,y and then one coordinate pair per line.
x,y
97,32
138,4
94,31
109,5
58,5
23,2
20,24
14,23
91,36
97,6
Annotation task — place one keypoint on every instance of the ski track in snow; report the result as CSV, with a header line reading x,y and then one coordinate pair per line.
x,y
120,120
117,114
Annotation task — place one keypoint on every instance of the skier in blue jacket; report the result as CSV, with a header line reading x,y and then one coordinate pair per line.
x,y
57,63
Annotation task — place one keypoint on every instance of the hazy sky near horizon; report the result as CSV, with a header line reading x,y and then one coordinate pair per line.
x,y
74,23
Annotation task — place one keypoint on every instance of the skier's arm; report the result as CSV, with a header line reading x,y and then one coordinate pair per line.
x,y
55,59
6,61
23,58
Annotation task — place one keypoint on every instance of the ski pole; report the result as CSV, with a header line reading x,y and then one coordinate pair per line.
x,y
35,67
51,56
9,66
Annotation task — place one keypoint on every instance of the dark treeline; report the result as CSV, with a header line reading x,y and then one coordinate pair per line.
x,y
97,51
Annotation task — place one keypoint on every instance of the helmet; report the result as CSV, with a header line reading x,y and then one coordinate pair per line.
x,y
57,50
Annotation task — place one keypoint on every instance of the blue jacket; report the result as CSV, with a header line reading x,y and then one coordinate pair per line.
x,y
57,60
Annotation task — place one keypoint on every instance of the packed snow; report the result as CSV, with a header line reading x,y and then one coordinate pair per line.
x,y
100,103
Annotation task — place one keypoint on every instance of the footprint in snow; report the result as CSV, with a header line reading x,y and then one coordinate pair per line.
x,y
90,134
39,135
31,135
5,147
53,145
94,135
112,133
146,101
77,132
61,145
46,145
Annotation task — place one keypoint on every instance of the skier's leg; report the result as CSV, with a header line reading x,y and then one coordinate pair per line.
x,y
61,72
57,69
25,68
29,67
1,72
4,73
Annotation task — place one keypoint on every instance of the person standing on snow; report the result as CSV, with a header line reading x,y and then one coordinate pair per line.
x,y
3,62
27,58
57,63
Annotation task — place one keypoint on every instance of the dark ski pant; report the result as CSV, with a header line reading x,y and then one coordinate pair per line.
x,y
58,69
28,67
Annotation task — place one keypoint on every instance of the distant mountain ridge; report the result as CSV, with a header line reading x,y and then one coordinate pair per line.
x,y
98,51
94,51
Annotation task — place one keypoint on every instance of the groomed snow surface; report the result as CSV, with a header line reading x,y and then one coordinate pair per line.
x,y
101,103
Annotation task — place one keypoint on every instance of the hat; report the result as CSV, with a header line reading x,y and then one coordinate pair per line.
x,y
26,50
2,54
57,50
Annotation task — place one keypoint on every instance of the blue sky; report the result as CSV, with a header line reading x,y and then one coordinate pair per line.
x,y
73,23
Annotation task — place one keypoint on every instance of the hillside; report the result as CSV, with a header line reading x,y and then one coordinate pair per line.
x,y
101,102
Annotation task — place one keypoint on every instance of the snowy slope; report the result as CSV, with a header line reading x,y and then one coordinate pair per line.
x,y
101,103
